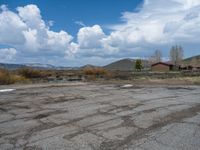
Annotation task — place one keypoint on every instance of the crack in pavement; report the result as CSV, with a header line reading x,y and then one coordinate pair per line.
x,y
140,133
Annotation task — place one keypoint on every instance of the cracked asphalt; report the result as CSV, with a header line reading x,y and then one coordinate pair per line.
x,y
85,116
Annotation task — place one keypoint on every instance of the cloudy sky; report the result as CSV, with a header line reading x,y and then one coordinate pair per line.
x,y
79,32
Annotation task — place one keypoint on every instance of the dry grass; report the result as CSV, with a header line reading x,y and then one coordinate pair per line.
x,y
7,77
94,73
19,79
30,73
193,80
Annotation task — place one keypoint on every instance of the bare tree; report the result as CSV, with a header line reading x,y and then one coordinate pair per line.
x,y
176,55
157,57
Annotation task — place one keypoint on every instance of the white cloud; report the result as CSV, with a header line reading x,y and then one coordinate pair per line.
x,y
11,28
30,14
187,4
157,24
58,40
80,23
27,31
3,7
31,39
90,37
50,23
7,54
92,42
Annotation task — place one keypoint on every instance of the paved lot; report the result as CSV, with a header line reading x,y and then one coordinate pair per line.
x,y
85,116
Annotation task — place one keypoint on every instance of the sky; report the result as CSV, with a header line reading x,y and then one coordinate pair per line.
x,y
80,32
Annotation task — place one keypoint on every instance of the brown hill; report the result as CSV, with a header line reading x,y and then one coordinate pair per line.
x,y
125,65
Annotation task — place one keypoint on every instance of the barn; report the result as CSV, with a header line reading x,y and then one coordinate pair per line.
x,y
161,67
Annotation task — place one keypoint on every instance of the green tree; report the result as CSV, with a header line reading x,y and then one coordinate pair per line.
x,y
138,64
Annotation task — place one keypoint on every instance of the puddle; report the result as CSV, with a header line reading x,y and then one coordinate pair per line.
x,y
6,90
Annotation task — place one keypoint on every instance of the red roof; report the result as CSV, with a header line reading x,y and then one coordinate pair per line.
x,y
166,64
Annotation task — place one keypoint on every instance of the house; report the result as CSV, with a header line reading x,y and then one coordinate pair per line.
x,y
185,67
189,67
162,67
196,67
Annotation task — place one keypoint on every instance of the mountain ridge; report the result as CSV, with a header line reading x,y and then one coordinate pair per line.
x,y
126,64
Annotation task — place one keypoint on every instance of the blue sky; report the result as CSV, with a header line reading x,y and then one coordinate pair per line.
x,y
79,32
65,13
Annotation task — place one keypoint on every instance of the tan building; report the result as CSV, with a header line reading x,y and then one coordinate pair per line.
x,y
161,67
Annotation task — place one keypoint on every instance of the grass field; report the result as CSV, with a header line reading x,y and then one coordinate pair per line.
x,y
28,75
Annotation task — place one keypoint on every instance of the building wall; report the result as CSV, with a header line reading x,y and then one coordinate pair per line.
x,y
161,68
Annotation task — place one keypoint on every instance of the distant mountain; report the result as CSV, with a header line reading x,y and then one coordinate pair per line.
x,y
66,68
39,66
125,65
89,66
34,66
11,66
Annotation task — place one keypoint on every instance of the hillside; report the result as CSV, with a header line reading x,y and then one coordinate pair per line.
x,y
190,59
11,66
125,65
89,66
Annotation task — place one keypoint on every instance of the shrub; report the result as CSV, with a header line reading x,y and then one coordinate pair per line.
x,y
138,64
30,73
18,79
95,72
7,77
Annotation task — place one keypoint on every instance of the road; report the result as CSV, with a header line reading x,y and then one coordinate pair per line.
x,y
85,116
